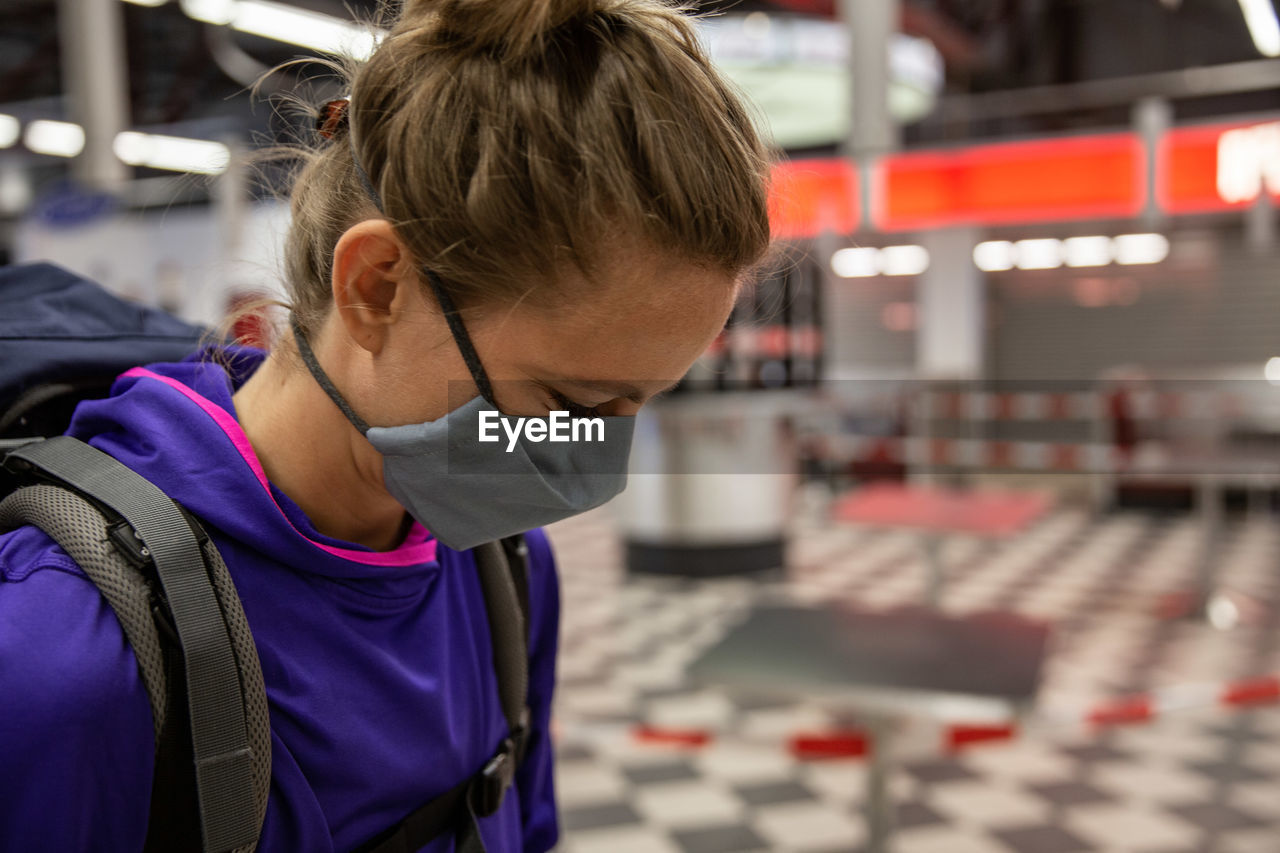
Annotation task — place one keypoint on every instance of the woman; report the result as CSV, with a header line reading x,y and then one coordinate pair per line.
x,y
527,206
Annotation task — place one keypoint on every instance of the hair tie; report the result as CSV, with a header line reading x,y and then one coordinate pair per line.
x,y
333,117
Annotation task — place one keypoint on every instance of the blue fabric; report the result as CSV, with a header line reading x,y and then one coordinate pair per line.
x,y
380,677
57,326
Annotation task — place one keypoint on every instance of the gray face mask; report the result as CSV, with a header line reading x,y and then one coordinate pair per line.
x,y
466,491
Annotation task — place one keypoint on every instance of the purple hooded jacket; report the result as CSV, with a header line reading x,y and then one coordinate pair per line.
x,y
378,665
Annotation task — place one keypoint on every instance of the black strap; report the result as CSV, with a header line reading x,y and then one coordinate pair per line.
x,y
215,700
506,630
446,813
459,809
517,551
172,827
309,359
460,336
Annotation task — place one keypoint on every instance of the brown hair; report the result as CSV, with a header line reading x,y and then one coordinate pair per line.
x,y
510,137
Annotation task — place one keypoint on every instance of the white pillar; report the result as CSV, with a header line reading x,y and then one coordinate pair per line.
x,y
1260,231
872,131
872,25
230,195
951,308
1152,119
93,72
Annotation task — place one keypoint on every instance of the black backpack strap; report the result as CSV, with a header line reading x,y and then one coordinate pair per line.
x,y
517,552
229,813
506,605
173,823
174,820
503,568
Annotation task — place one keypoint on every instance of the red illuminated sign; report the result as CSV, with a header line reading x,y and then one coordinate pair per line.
x,y
1199,170
809,197
1016,182
1218,167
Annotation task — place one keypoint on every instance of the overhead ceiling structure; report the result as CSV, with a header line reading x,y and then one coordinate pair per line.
x,y
176,57
191,64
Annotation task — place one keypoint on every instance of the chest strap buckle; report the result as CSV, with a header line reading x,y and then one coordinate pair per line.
x,y
490,785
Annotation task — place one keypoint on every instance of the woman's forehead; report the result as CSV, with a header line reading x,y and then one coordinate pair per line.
x,y
620,334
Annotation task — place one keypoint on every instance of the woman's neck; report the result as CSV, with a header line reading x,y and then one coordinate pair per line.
x,y
312,453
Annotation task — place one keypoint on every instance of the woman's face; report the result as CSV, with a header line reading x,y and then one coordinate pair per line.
x,y
634,333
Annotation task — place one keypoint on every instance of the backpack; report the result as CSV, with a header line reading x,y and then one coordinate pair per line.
x,y
64,339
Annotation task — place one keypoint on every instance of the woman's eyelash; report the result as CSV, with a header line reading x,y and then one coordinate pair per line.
x,y
574,409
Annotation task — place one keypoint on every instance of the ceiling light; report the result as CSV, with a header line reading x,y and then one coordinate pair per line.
x,y
171,152
1087,251
1040,254
1264,28
1141,248
10,130
304,28
993,256
147,2
218,12
904,260
285,23
859,262
55,138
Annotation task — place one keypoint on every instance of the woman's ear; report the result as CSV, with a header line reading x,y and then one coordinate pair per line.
x,y
374,281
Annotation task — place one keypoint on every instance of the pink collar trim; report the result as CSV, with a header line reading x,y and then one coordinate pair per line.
x,y
418,547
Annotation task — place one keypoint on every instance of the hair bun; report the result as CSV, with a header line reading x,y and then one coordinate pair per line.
x,y
509,29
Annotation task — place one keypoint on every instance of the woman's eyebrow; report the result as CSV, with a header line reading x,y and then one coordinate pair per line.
x,y
634,393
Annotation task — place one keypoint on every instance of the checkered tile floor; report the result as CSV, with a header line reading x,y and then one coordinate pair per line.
x,y
1197,780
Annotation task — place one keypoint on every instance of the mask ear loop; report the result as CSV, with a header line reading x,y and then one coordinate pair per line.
x,y
313,364
461,338
451,315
